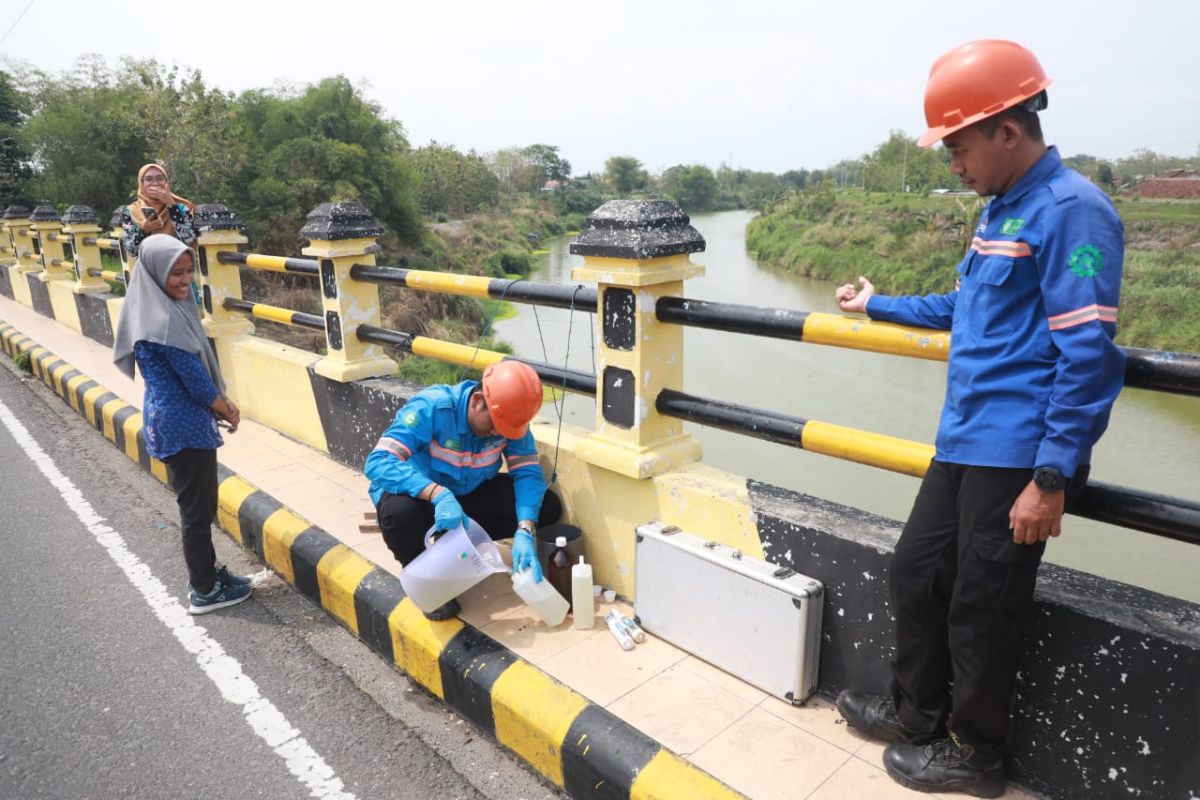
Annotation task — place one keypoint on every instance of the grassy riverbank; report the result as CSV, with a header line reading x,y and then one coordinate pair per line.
x,y
910,244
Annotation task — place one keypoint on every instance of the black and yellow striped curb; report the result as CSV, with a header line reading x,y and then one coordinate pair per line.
x,y
578,745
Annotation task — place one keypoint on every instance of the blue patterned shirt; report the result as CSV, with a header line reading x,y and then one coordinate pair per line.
x,y
179,392
185,228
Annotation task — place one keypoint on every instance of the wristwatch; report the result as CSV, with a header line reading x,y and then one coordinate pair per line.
x,y
1049,479
526,526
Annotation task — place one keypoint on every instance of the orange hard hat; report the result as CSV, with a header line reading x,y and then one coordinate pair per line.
x,y
513,392
975,81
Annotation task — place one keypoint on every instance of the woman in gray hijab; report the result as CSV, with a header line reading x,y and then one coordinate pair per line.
x,y
159,330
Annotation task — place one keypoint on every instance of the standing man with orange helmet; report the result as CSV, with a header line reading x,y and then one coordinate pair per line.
x,y
439,463
1032,378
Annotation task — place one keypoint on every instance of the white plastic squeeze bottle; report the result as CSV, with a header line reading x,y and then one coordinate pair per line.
x,y
581,595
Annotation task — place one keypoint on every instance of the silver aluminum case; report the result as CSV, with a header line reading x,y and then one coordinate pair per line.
x,y
757,621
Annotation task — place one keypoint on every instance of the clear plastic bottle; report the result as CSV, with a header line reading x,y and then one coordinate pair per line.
x,y
581,595
549,605
558,571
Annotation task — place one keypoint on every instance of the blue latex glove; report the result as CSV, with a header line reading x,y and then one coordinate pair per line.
x,y
524,554
447,513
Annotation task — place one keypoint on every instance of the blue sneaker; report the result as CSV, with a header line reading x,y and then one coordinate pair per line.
x,y
229,579
221,595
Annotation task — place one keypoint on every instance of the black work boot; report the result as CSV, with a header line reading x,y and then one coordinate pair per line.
x,y
445,611
873,715
947,765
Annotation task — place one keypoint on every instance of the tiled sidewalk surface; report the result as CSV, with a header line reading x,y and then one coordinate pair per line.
x,y
758,744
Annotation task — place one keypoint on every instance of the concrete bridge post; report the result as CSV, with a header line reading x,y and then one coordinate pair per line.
x,y
8,249
117,232
80,222
45,226
16,220
637,251
341,235
219,229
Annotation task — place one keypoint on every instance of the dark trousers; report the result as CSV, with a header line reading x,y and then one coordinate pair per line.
x,y
193,476
962,593
405,520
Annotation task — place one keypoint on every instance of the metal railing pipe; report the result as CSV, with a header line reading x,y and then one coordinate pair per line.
x,y
1170,517
107,274
284,316
103,244
462,355
579,296
1162,370
1157,370
302,266
873,449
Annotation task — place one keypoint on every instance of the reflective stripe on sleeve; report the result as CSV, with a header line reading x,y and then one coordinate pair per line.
x,y
1081,315
393,446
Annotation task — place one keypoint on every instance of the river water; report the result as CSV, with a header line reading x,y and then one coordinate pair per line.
x,y
1153,441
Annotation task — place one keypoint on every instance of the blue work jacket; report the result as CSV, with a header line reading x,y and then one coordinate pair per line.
x,y
430,441
1033,368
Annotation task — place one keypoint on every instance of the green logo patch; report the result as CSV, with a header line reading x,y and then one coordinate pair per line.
x,y
411,419
452,444
1086,261
1012,226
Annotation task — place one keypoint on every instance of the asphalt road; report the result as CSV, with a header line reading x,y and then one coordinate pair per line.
x,y
108,691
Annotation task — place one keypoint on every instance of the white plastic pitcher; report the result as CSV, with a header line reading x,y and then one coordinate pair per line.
x,y
451,565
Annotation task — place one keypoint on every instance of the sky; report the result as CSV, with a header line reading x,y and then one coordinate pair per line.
x,y
760,85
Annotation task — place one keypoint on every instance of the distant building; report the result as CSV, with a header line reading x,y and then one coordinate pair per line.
x,y
1176,184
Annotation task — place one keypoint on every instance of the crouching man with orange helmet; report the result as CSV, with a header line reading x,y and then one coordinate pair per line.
x,y
439,463
1032,378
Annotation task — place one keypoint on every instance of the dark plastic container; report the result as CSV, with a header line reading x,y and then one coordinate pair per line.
x,y
545,543
559,570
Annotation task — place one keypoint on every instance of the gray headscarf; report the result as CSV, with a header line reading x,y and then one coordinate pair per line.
x,y
151,315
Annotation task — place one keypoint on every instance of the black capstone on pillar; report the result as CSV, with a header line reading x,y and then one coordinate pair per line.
x,y
637,229
16,212
332,222
44,213
341,236
80,215
215,217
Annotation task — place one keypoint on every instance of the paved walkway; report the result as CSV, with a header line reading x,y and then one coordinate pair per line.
x,y
759,745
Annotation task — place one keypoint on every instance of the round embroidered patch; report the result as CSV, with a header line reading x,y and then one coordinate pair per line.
x,y
1086,261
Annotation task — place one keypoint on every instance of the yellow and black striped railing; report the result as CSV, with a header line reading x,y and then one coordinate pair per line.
x,y
1146,369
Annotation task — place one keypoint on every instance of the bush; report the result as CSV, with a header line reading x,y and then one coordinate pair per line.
x,y
23,362
510,261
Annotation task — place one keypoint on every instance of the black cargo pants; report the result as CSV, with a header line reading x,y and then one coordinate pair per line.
x,y
404,520
962,592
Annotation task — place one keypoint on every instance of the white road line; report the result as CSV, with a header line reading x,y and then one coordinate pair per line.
x,y
223,670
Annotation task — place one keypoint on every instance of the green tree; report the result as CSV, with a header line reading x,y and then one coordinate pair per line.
x,y
517,170
453,182
85,134
694,188
795,178
554,166
624,174
14,159
326,143
898,165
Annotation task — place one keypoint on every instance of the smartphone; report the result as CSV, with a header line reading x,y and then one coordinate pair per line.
x,y
149,213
